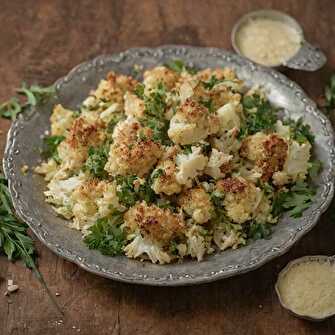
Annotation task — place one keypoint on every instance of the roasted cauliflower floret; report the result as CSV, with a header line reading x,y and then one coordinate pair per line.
x,y
159,74
219,164
228,235
241,198
114,88
137,158
61,120
296,164
269,153
154,223
192,123
229,116
197,243
197,204
133,105
84,198
190,165
48,169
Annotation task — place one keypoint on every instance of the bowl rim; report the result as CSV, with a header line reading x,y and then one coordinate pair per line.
x,y
174,51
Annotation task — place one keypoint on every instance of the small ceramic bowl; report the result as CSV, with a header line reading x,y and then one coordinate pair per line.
x,y
318,258
308,57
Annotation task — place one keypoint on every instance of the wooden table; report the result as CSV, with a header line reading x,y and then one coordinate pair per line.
x,y
41,41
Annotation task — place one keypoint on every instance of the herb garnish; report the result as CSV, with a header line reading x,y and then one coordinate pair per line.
x,y
260,115
14,239
179,66
294,201
107,236
96,161
299,131
33,96
257,231
50,145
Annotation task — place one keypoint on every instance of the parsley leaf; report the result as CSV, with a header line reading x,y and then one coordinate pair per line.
x,y
295,201
299,131
129,194
107,236
96,161
33,96
139,90
50,145
257,231
260,115
314,168
179,66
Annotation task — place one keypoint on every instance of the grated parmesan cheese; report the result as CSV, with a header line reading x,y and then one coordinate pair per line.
x,y
268,42
308,288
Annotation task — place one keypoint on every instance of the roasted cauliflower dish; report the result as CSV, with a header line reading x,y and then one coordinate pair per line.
x,y
180,164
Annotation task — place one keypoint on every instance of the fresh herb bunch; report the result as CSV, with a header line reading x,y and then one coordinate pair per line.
x,y
14,239
107,236
294,201
32,96
179,66
50,145
260,115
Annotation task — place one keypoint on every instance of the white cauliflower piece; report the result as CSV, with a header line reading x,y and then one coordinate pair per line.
x,y
107,115
296,165
228,142
197,203
159,74
48,169
229,116
141,248
109,200
281,130
242,198
190,166
186,89
228,236
59,194
133,105
197,245
61,120
219,164
192,123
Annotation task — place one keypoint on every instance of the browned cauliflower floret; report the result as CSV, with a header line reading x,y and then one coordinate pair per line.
x,y
61,120
241,198
196,203
192,123
166,181
133,150
154,223
269,153
159,74
133,105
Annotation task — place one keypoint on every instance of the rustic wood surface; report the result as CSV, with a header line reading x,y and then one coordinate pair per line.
x,y
41,41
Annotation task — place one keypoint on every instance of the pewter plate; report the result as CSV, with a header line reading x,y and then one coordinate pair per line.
x,y
25,137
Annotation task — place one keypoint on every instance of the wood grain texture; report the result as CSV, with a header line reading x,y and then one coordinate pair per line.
x,y
42,40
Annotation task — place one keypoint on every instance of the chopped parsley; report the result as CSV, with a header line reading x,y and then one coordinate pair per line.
x,y
107,236
50,145
129,194
177,65
209,85
257,231
116,118
294,201
139,91
260,115
208,103
300,132
96,161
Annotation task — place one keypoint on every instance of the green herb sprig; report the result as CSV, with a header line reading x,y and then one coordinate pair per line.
x,y
31,96
14,239
179,66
